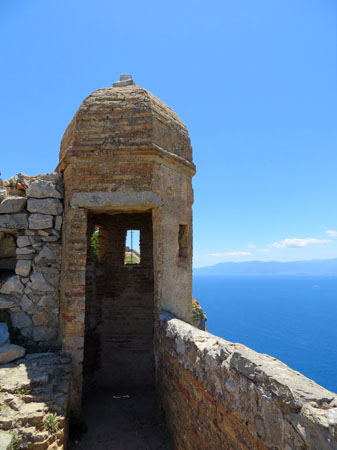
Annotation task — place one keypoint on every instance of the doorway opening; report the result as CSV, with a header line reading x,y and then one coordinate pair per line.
x,y
119,310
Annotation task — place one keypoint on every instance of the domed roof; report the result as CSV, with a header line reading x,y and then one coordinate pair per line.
x,y
126,118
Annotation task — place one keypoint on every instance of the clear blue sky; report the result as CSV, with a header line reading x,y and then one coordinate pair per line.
x,y
254,81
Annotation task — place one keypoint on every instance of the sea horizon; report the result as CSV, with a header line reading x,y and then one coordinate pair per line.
x,y
290,317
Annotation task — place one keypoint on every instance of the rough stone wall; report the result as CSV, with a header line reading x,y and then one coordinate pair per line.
x,y
31,210
118,344
220,395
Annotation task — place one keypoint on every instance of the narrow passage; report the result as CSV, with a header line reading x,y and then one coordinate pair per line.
x,y
121,421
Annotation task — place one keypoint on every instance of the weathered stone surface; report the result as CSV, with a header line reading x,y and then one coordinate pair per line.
x,y
23,267
14,221
44,334
23,241
12,205
58,223
6,302
31,389
10,352
51,206
12,286
40,318
45,256
47,301
4,334
40,221
25,251
5,440
43,189
115,200
21,320
3,192
27,305
254,400
38,283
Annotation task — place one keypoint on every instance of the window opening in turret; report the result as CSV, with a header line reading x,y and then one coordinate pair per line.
x,y
132,247
94,244
182,241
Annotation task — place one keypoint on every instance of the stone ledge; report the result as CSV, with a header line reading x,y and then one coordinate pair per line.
x,y
115,200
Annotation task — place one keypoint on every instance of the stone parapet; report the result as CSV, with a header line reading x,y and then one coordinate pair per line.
x,y
221,395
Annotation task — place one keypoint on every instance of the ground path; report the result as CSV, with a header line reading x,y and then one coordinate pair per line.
x,y
122,421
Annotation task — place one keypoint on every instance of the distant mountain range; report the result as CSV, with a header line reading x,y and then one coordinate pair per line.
x,y
312,267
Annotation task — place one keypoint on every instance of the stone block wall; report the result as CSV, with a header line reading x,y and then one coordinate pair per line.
x,y
220,395
31,212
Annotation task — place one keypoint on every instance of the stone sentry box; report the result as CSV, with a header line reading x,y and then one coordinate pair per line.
x,y
127,163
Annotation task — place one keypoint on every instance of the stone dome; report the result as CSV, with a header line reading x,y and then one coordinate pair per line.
x,y
126,118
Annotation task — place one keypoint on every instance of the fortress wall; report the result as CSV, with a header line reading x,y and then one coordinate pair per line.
x,y
221,395
31,211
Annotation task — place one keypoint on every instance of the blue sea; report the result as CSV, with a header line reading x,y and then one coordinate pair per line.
x,y
293,318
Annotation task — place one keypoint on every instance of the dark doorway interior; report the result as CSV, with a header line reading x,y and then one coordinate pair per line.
x,y
118,350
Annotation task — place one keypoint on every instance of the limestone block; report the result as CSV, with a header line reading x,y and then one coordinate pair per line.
x,y
5,440
12,205
40,221
23,241
3,192
43,189
58,223
115,200
40,318
46,256
51,206
14,221
27,305
23,267
6,302
20,320
44,334
25,251
4,334
47,301
38,283
12,286
10,352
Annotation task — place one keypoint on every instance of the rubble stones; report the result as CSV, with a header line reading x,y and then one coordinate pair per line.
x,y
3,192
40,221
43,189
13,221
51,206
12,286
44,334
46,256
43,383
6,302
12,205
23,241
21,320
5,440
38,283
10,352
23,267
4,334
